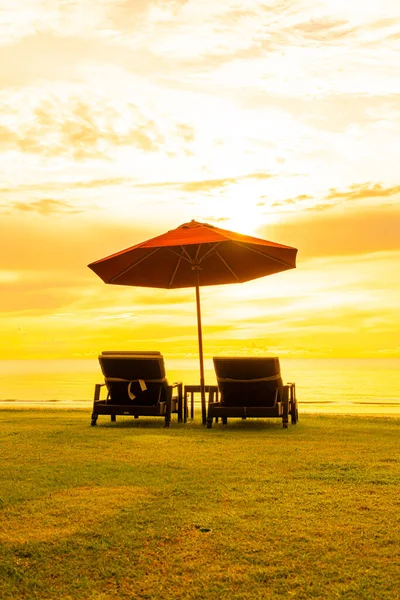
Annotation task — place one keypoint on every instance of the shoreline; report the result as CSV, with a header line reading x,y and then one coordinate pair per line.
x,y
366,409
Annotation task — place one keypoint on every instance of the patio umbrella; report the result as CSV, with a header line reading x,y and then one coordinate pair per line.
x,y
193,255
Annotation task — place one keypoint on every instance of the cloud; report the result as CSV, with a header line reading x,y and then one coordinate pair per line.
x,y
347,233
37,298
291,201
205,185
125,14
215,219
64,245
186,132
63,185
360,191
81,129
51,56
322,30
47,207
335,198
385,22
187,186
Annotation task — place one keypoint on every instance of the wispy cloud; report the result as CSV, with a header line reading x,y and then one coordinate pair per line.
x,y
81,129
63,185
47,207
364,190
125,14
321,30
325,233
297,200
212,184
335,197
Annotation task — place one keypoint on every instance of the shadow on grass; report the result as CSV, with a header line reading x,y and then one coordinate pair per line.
x,y
195,425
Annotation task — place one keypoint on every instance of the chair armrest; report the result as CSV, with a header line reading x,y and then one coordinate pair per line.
x,y
292,391
97,390
179,386
176,384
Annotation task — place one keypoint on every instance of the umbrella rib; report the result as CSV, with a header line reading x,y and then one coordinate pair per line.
x,y
132,266
281,262
211,250
175,270
187,257
181,255
227,266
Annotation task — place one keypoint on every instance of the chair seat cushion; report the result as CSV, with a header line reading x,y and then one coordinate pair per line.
x,y
217,409
104,407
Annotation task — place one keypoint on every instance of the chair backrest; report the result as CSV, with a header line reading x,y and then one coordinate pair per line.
x,y
139,374
249,380
131,352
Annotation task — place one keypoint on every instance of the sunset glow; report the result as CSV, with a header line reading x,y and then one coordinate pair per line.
x,y
122,119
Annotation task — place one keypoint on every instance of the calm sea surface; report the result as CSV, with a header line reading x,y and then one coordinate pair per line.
x,y
358,386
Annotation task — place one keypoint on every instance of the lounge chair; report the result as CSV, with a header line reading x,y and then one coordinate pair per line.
x,y
251,387
136,385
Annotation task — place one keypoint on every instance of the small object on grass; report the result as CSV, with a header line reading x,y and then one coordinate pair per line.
x,y
203,529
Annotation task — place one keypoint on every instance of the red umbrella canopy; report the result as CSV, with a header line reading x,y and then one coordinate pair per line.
x,y
171,259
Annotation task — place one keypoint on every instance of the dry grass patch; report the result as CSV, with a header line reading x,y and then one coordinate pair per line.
x,y
66,512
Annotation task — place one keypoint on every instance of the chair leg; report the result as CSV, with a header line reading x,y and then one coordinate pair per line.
x,y
285,416
209,423
180,409
292,403
168,407
113,418
97,390
225,420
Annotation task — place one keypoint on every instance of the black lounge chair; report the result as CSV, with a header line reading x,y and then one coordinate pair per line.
x,y
251,387
136,385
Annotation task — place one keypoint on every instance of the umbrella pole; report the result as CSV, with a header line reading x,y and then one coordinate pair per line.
x,y
200,336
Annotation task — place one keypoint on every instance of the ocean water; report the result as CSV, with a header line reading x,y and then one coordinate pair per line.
x,y
356,386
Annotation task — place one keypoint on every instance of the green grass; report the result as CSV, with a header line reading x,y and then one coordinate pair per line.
x,y
248,511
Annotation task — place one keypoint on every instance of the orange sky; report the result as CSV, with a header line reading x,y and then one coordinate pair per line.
x,y
120,119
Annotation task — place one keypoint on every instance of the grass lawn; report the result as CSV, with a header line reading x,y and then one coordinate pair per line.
x,y
247,511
